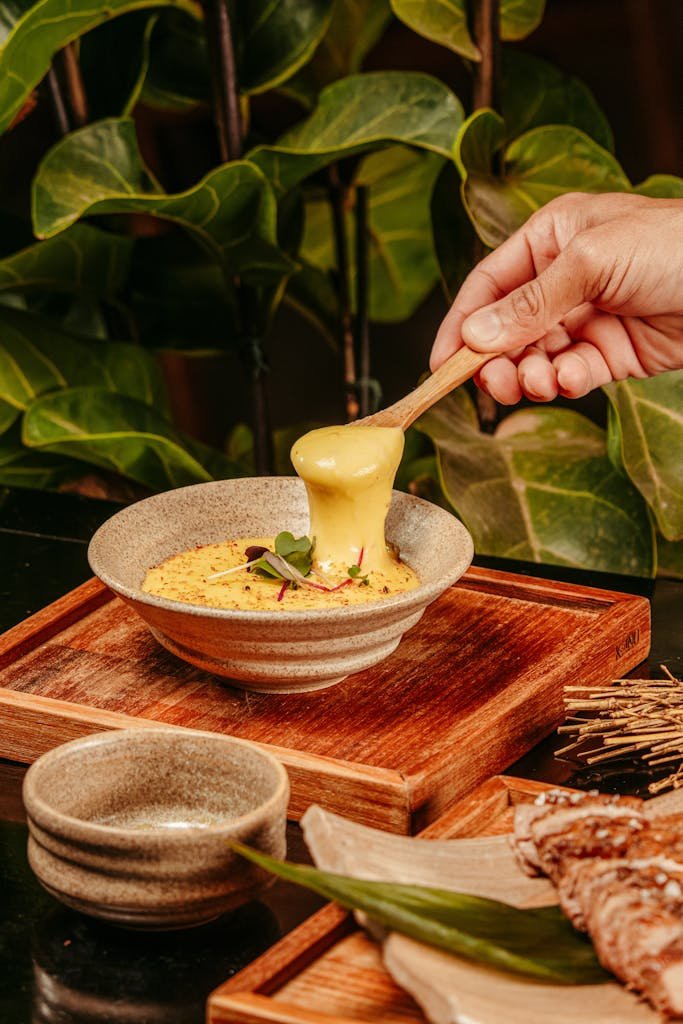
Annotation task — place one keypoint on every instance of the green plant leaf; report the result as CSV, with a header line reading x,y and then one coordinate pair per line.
x,y
37,357
8,413
311,293
362,112
35,34
539,165
649,442
276,37
443,22
121,434
452,231
402,264
82,259
540,944
446,21
519,18
98,169
114,59
22,468
541,489
178,74
661,186
354,28
536,93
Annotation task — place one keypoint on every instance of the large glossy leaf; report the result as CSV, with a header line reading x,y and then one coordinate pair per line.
x,y
661,186
99,170
446,21
35,34
37,357
120,434
536,93
648,430
354,28
670,558
539,165
402,264
538,943
364,112
8,415
82,259
114,59
311,292
276,37
541,488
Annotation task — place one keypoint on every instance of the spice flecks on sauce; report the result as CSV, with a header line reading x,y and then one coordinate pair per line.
x,y
183,577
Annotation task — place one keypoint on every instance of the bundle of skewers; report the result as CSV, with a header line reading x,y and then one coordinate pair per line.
x,y
640,719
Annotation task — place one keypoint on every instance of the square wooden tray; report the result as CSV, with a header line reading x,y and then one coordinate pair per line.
x,y
475,684
327,971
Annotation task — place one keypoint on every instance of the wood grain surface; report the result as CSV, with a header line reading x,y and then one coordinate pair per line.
x,y
472,687
327,971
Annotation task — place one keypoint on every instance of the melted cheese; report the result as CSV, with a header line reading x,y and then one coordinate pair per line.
x,y
348,473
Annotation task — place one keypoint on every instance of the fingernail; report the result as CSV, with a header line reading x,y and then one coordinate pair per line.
x,y
483,327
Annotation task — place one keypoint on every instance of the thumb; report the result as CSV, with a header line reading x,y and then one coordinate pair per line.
x,y
530,311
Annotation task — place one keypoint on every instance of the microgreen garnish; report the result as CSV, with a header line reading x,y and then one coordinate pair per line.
x,y
291,560
354,573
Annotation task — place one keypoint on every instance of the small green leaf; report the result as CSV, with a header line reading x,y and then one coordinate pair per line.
x,y
535,168
354,28
296,551
535,93
541,488
275,38
661,186
364,112
446,21
120,434
648,438
82,259
536,943
354,570
98,169
38,32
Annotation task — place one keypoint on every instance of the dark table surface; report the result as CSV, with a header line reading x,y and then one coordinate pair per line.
x,y
58,967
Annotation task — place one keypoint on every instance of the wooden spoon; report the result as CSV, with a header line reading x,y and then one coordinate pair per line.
x,y
456,370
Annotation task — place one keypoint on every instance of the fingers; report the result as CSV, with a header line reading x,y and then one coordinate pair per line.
x,y
500,380
530,311
581,369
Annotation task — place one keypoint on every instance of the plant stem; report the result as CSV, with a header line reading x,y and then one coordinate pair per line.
x,y
226,92
58,104
338,202
78,102
228,117
486,93
362,290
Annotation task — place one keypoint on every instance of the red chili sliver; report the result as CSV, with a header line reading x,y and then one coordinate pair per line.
x,y
283,588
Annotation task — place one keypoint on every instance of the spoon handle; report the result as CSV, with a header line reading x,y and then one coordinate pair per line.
x,y
456,370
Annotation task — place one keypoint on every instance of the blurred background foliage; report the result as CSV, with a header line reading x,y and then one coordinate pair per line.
x,y
223,224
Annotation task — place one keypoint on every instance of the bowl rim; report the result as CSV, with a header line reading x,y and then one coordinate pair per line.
x,y
423,594
75,829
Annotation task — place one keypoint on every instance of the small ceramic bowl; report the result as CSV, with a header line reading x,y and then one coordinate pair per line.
x,y
134,826
272,651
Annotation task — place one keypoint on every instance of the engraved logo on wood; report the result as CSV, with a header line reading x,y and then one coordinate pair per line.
x,y
629,641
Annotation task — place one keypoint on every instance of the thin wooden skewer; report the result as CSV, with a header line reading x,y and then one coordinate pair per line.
x,y
456,370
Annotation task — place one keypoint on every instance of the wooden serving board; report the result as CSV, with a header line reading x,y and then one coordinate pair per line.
x,y
472,687
327,971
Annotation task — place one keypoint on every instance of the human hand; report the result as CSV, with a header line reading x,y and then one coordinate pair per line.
x,y
588,291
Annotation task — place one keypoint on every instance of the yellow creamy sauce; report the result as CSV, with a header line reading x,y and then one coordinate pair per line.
x,y
348,472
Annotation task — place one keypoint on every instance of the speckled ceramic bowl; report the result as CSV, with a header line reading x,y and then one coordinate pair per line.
x,y
272,651
134,826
